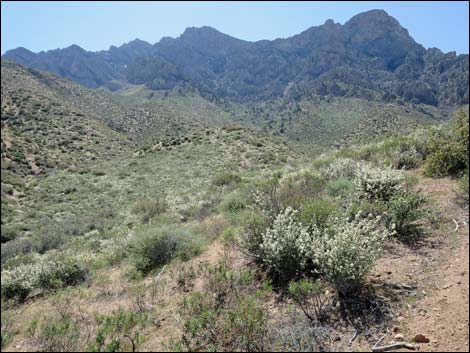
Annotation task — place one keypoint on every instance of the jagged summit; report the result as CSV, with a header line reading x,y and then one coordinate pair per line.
x,y
371,55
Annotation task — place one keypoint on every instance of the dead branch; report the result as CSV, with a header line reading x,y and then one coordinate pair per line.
x,y
353,337
159,274
393,346
380,340
456,225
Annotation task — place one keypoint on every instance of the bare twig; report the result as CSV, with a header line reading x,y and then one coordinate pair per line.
x,y
380,340
393,346
353,337
159,274
456,225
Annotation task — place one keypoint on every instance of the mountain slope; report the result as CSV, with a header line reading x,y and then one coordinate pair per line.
x,y
370,56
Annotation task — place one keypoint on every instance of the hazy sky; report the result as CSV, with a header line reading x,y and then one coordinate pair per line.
x,y
97,25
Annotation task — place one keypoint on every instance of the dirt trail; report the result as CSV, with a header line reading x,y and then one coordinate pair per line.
x,y
443,314
439,267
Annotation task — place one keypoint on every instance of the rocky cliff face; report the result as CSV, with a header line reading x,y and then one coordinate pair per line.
x,y
370,56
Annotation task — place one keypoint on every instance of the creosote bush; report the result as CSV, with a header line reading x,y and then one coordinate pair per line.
x,y
226,315
404,210
119,331
448,149
154,246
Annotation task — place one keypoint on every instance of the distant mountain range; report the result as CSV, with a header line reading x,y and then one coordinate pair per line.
x,y
371,56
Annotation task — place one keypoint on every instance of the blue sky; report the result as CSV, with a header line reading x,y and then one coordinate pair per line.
x,y
97,25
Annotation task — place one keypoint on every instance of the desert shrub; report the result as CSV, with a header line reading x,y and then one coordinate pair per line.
x,y
149,208
448,149
277,193
342,168
9,322
48,241
61,273
57,334
253,226
448,159
46,273
406,157
298,187
348,250
310,297
118,331
341,187
10,232
226,316
403,211
378,184
153,247
226,178
316,212
234,203
266,196
16,247
284,245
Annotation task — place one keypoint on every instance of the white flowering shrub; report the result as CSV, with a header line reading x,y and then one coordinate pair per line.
x,y
348,250
343,168
406,157
285,245
378,184
45,273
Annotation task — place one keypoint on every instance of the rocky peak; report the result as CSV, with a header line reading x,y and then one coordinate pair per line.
x,y
375,33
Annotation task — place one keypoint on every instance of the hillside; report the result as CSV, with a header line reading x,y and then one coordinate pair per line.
x,y
207,193
371,56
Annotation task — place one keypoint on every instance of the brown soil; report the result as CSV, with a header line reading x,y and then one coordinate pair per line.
x,y
439,268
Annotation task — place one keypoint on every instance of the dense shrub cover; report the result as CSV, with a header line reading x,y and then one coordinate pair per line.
x,y
404,210
154,246
378,184
448,150
285,245
46,273
348,250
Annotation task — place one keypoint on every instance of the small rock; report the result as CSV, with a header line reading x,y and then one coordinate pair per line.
x,y
396,329
420,338
399,337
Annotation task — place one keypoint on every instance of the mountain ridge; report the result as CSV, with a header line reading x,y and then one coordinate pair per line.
x,y
370,55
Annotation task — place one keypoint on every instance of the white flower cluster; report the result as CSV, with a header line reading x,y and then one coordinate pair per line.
x,y
343,168
378,184
22,279
286,245
348,250
343,253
